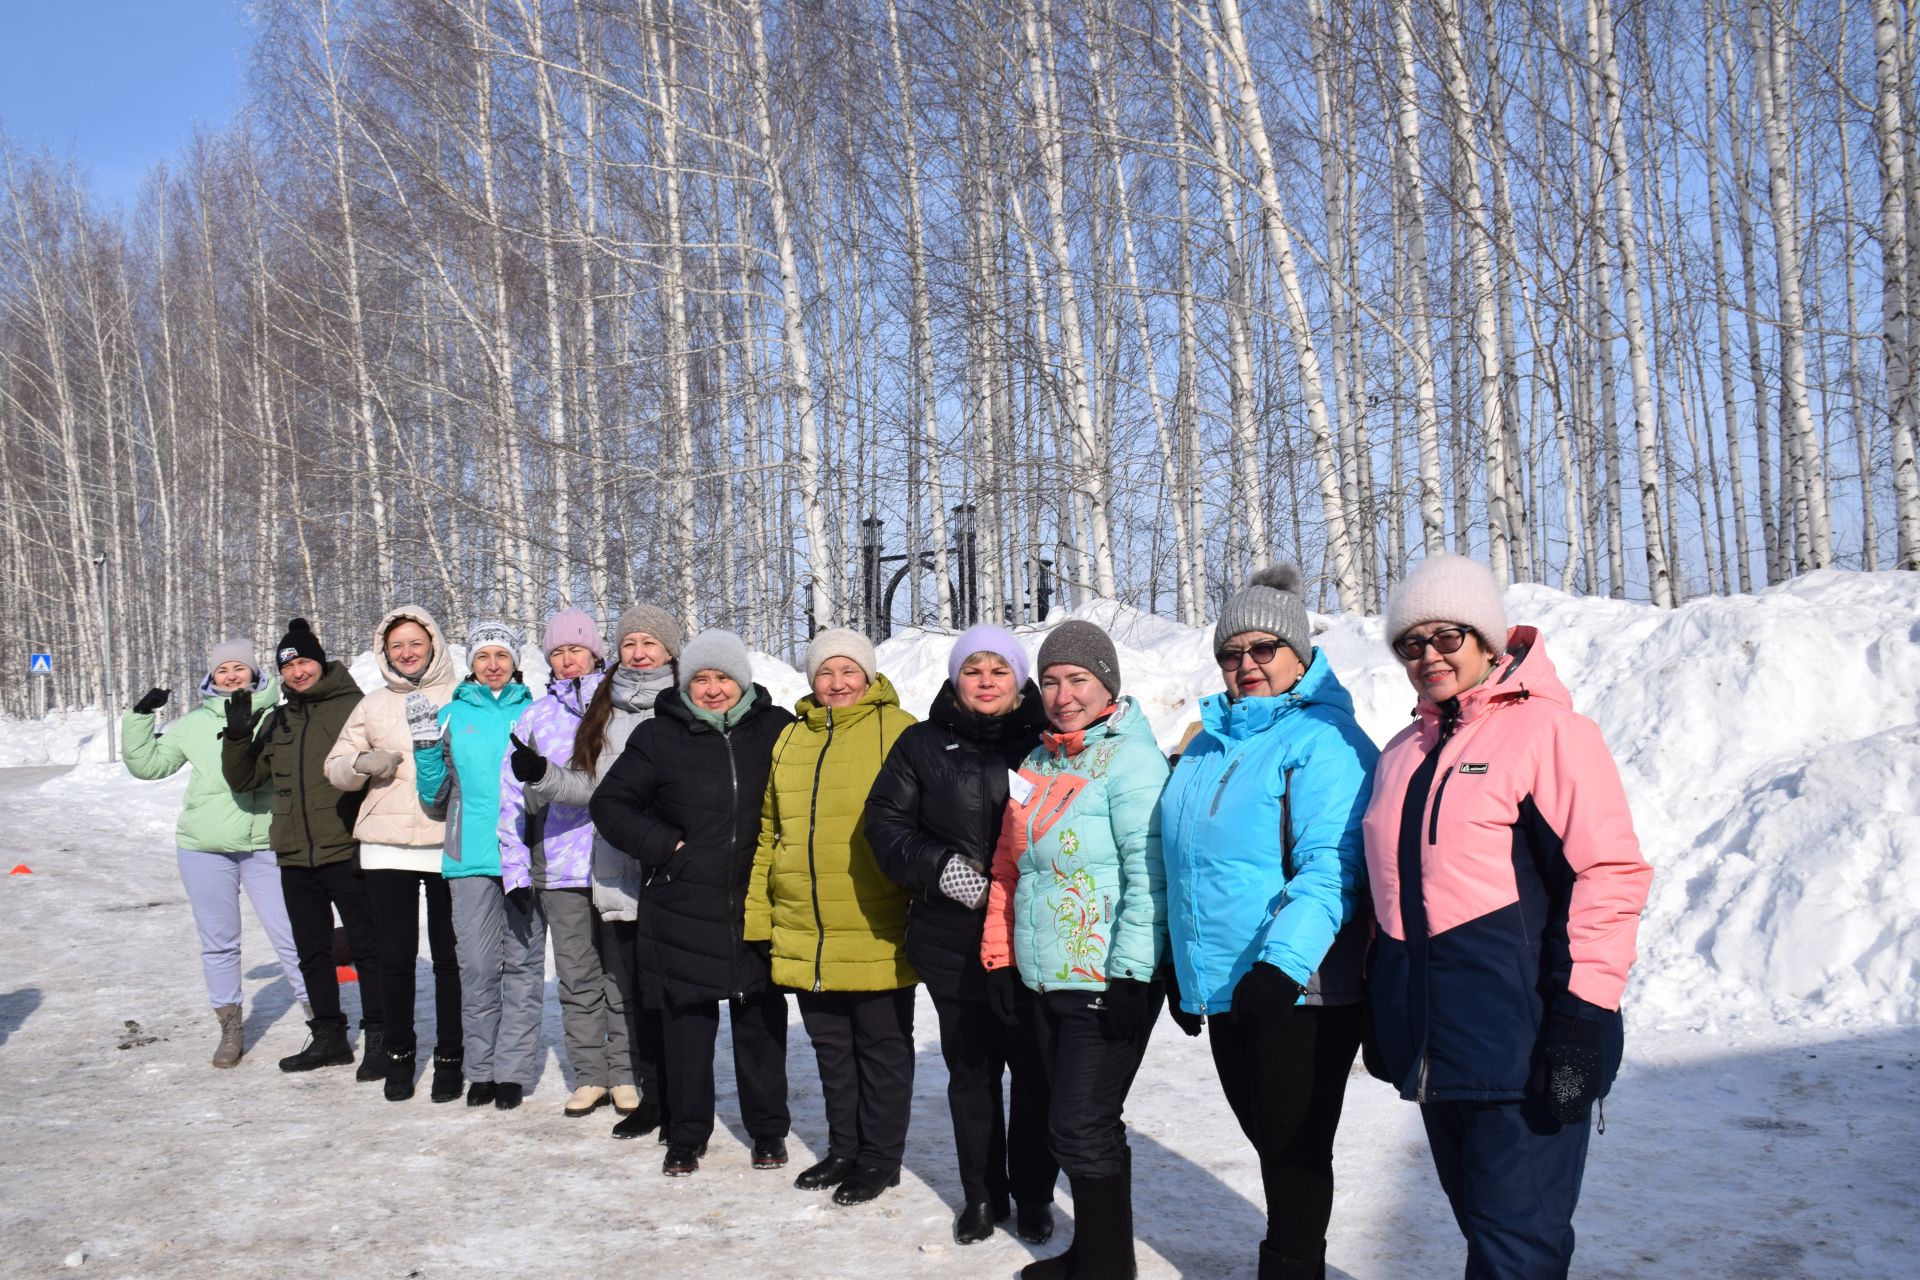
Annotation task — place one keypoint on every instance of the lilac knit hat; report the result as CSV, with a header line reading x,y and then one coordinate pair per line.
x,y
572,626
987,638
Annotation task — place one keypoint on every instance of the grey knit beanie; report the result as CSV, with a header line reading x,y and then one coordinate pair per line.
x,y
650,620
1081,644
1450,588
1270,602
716,650
492,631
840,642
233,651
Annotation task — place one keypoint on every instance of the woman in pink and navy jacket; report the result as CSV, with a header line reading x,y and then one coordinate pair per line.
x,y
1496,986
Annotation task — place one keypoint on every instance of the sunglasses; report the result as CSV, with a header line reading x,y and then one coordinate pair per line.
x,y
1261,651
1445,640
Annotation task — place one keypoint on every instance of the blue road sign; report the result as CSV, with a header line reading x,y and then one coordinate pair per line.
x,y
39,664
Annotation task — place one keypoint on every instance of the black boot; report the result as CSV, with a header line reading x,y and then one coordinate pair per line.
x,y
1102,1232
974,1222
480,1093
328,1047
830,1172
506,1095
447,1080
399,1074
866,1182
644,1120
1275,1265
1034,1222
373,1054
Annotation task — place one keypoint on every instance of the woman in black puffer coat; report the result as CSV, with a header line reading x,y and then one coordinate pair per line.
x,y
683,800
933,817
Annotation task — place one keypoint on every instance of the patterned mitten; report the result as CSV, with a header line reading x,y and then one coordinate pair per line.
x,y
963,880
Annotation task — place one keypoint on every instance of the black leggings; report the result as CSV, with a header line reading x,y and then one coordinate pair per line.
x,y
394,898
1286,1079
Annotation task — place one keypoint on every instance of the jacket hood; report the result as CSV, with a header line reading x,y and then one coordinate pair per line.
x,y
1523,671
1025,720
512,694
575,691
673,705
439,666
880,693
336,681
1126,719
1318,686
266,695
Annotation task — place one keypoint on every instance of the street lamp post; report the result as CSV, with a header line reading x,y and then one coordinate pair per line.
x,y
106,651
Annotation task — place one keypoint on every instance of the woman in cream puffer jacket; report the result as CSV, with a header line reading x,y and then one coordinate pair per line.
x,y
400,846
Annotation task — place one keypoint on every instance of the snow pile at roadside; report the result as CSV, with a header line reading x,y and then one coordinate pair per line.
x,y
1770,746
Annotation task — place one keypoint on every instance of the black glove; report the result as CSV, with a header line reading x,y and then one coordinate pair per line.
x,y
521,899
527,764
240,715
1574,1049
1003,992
1129,1005
1189,1023
151,701
1265,992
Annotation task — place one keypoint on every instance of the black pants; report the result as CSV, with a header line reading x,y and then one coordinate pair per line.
x,y
646,1036
1286,1079
863,1041
1090,1076
1001,1148
312,895
395,899
1512,1174
759,1026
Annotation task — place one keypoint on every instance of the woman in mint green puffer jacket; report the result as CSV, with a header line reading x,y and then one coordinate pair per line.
x,y
221,842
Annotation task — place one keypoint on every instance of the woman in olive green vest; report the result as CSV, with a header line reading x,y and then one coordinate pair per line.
x,y
836,922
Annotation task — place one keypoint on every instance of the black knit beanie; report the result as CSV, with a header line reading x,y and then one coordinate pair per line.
x,y
299,642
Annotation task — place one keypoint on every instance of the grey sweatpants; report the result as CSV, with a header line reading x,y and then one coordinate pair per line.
x,y
503,979
590,1010
214,882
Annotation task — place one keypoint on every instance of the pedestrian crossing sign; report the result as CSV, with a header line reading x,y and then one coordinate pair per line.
x,y
39,664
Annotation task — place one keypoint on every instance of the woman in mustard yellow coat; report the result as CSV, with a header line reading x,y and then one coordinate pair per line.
x,y
837,924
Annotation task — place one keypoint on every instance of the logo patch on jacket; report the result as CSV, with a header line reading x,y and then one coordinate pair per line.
x,y
1473,768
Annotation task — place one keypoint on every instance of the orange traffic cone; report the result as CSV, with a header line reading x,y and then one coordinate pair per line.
x,y
21,869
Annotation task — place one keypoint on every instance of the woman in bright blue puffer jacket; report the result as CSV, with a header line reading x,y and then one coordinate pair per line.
x,y
1260,833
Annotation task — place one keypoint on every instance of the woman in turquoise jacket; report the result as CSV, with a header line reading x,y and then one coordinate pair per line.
x,y
1260,830
221,838
457,766
1077,912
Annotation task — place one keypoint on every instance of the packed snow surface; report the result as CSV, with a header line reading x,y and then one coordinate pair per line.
x,y
1765,1123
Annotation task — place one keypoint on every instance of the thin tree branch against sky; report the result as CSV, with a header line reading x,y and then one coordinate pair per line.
x,y
118,86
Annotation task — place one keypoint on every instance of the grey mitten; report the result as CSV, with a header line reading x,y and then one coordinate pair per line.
x,y
965,881
376,764
423,723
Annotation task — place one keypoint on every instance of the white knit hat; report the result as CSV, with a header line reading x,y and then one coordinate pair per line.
x,y
233,651
841,642
1450,588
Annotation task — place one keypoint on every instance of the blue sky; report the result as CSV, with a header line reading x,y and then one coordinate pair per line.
x,y
119,85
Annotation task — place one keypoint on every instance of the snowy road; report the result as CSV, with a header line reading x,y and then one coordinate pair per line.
x,y
1787,1154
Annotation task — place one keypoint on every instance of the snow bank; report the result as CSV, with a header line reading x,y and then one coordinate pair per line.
x,y
1770,746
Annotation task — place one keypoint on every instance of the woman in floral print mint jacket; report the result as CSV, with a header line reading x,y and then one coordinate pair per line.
x,y
1077,912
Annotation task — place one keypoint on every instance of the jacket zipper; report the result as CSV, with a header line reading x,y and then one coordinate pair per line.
x,y
813,877
1433,810
733,840
300,795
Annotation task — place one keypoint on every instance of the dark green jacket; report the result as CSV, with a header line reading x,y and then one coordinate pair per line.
x,y
312,819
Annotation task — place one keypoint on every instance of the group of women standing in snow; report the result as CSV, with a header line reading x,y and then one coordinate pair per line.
x,y
1026,852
